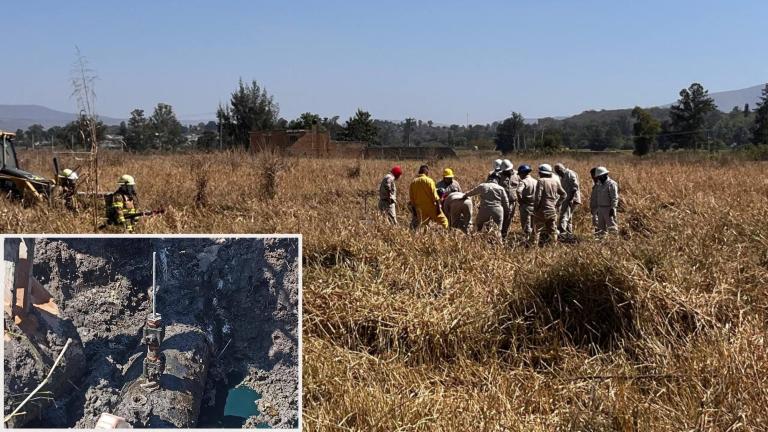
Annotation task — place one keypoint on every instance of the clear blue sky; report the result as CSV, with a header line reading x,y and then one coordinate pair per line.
x,y
430,60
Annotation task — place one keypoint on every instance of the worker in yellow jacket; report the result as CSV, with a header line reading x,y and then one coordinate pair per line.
x,y
424,201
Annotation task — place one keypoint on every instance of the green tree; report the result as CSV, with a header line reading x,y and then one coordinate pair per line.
x,y
508,133
305,121
360,127
139,131
408,127
332,126
35,133
250,108
688,116
166,128
552,141
123,130
645,129
207,140
760,127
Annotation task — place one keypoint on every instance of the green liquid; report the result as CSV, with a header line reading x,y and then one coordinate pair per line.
x,y
241,402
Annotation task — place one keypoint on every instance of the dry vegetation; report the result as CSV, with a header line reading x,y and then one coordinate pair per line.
x,y
663,328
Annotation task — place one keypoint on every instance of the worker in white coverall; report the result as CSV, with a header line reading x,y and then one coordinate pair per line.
x,y
546,203
458,210
604,202
570,182
388,194
509,181
526,190
493,202
594,182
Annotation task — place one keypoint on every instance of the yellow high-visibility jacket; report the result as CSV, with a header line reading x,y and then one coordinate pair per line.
x,y
423,194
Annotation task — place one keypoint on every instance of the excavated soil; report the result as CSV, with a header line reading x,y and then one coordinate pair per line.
x,y
230,307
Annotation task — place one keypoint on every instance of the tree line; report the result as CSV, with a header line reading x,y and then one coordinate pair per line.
x,y
693,122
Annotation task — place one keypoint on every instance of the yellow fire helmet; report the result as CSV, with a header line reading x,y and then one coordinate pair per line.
x,y
127,180
448,173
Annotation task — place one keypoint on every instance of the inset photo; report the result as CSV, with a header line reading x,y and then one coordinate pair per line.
x,y
152,332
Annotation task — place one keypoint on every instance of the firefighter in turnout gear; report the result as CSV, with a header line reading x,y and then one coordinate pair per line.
x,y
67,180
121,205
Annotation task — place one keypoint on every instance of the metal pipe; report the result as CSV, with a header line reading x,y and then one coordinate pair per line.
x,y
154,288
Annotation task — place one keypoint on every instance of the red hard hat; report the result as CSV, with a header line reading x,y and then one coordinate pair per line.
x,y
397,171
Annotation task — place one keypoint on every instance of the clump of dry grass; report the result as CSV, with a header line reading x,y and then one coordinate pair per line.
x,y
271,164
661,329
201,169
355,171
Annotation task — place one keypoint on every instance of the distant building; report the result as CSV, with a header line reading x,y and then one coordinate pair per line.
x,y
113,142
303,142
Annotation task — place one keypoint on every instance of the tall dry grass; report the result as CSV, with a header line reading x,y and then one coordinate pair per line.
x,y
662,328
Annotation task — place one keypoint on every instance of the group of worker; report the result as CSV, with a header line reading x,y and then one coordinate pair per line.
x,y
121,205
546,205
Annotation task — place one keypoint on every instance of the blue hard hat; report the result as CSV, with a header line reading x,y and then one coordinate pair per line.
x,y
524,168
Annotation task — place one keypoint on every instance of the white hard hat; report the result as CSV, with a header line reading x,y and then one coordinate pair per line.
x,y
545,168
126,179
73,176
506,165
600,171
497,164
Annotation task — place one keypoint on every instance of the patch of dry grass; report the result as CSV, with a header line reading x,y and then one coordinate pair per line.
x,y
663,328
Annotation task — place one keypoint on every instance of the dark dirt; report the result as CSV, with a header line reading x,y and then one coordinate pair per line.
x,y
241,294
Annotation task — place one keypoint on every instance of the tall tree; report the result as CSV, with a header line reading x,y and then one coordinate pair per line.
x,y
123,129
760,128
508,133
138,136
688,116
250,108
332,126
166,128
645,129
408,127
360,127
35,133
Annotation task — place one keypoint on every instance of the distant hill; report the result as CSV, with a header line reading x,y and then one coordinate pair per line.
x,y
14,117
726,100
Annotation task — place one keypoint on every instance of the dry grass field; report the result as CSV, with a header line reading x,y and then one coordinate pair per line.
x,y
661,328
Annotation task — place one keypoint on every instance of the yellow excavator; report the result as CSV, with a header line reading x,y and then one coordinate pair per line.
x,y
17,182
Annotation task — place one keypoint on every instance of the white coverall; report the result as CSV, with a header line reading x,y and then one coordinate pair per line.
x,y
603,204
